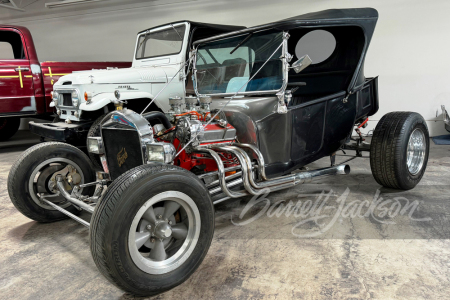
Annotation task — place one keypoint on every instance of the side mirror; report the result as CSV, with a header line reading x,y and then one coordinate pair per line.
x,y
301,64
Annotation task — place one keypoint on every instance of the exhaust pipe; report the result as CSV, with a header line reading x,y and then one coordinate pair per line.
x,y
259,158
254,188
232,176
221,173
335,170
338,170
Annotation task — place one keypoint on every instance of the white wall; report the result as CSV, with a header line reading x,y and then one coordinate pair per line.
x,y
409,50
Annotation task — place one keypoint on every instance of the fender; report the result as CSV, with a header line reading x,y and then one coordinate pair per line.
x,y
101,100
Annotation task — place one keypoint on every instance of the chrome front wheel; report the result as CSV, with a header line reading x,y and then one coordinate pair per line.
x,y
42,182
152,229
164,232
32,177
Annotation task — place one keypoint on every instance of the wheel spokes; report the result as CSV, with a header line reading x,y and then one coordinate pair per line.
x,y
149,216
158,252
141,238
170,207
179,231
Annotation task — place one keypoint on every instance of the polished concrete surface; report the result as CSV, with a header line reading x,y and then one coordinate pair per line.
x,y
361,242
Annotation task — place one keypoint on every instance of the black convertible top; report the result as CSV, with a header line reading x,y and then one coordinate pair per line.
x,y
363,17
343,23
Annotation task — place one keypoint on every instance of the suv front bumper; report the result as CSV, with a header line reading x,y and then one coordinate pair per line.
x,y
74,133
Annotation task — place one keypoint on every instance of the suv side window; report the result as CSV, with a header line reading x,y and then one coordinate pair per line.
x,y
11,46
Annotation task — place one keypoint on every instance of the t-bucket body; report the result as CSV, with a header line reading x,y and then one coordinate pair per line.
x,y
292,118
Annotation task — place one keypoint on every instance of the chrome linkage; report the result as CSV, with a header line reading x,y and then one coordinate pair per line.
x,y
81,202
78,200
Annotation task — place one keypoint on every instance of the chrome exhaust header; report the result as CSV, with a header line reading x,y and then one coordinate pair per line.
x,y
221,173
247,174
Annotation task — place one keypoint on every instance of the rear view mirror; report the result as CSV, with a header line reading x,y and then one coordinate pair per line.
x,y
301,64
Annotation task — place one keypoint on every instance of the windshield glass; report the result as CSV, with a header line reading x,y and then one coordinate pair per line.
x,y
225,66
159,43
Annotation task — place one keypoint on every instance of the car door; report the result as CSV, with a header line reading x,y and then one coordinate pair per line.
x,y
164,47
16,81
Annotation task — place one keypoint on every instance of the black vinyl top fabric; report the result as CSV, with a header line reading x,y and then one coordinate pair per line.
x,y
363,17
218,27
337,15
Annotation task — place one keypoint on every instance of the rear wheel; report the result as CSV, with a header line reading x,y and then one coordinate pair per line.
x,y
32,178
399,150
8,127
152,229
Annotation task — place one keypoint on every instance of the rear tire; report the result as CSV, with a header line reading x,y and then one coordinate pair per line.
x,y
8,127
29,178
399,150
115,245
95,131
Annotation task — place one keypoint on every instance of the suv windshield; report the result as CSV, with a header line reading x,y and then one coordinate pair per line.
x,y
159,43
225,66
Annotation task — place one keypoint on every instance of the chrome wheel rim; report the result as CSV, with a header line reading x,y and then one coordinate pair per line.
x,y
37,193
416,151
164,232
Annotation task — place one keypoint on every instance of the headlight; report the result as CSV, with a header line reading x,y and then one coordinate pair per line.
x,y
54,95
74,98
95,145
161,152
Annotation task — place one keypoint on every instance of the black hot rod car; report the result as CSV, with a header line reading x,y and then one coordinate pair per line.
x,y
255,121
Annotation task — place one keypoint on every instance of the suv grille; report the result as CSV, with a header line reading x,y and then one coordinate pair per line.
x,y
67,100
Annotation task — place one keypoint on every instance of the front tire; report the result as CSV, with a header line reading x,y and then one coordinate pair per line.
x,y
8,127
152,229
30,179
399,150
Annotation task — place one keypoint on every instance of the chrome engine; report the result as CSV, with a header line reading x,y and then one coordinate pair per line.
x,y
128,140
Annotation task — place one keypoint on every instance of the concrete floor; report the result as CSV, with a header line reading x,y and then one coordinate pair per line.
x,y
340,249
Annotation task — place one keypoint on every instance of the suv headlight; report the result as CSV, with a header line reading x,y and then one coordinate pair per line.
x,y
75,98
161,152
95,145
54,95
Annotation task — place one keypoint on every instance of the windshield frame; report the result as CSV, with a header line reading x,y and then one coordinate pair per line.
x,y
161,28
263,92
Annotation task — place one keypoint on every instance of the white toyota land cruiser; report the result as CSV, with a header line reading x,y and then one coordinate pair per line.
x,y
81,99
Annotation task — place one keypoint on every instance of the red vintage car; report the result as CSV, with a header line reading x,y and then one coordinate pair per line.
x,y
25,83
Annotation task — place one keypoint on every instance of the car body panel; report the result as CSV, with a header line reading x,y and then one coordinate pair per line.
x,y
28,92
